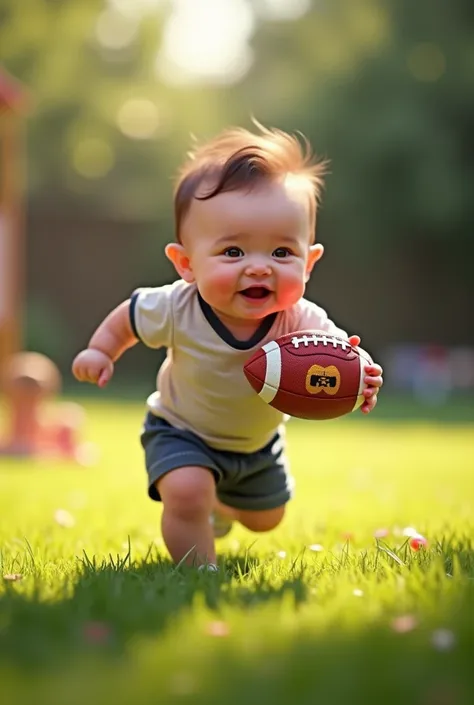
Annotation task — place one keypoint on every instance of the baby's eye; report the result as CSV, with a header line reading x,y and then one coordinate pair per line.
x,y
281,252
233,252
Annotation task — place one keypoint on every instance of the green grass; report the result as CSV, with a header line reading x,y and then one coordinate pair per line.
x,y
101,615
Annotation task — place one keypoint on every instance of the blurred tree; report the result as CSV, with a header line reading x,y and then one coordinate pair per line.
x,y
79,85
108,129
384,88
398,131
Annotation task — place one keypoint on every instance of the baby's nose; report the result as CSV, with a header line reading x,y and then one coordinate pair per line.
x,y
258,268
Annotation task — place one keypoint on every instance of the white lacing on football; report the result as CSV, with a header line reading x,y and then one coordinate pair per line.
x,y
318,339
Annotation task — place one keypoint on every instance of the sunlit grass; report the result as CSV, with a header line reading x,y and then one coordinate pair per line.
x,y
318,611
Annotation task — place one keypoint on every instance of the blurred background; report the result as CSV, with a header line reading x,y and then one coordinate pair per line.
x,y
99,103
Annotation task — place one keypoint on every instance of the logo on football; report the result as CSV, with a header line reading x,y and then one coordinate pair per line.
x,y
309,374
327,379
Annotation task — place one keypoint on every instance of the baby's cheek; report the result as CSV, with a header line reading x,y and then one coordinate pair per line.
x,y
294,281
290,295
218,279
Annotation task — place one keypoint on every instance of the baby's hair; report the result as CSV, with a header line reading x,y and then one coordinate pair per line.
x,y
239,159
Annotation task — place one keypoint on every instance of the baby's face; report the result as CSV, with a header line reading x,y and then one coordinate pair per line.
x,y
249,252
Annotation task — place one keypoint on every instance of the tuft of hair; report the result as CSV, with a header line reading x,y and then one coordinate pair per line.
x,y
238,159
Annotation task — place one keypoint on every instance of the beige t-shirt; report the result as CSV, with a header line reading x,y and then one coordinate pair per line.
x,y
201,385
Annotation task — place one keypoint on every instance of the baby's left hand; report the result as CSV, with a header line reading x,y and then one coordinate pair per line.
x,y
373,379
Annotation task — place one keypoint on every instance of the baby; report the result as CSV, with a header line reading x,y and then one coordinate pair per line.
x,y
245,212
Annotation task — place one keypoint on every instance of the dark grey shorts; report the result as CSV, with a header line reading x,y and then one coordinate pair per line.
x,y
259,480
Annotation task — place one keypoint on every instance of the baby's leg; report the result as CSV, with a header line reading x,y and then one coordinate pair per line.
x,y
188,496
255,520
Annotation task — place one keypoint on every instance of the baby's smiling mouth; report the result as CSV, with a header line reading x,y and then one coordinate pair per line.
x,y
256,292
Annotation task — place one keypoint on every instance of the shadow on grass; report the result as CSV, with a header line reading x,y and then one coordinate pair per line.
x,y
104,605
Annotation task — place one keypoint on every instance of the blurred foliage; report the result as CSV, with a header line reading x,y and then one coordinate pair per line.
x,y
47,331
382,88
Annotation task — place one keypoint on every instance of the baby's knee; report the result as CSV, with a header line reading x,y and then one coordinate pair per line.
x,y
265,520
188,491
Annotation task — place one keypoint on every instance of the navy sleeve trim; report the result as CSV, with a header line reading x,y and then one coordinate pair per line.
x,y
133,304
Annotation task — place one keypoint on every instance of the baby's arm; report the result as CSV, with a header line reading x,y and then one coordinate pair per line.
x,y
113,336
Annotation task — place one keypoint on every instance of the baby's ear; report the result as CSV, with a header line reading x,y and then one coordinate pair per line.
x,y
315,253
177,255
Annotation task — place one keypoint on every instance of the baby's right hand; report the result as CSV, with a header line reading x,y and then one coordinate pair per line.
x,y
93,366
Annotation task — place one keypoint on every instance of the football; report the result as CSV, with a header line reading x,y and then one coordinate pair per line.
x,y
309,375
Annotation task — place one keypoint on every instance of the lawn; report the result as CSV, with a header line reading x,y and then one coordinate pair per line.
x,y
320,611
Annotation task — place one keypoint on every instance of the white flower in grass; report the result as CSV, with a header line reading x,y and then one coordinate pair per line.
x,y
358,592
409,531
281,554
64,518
316,547
443,639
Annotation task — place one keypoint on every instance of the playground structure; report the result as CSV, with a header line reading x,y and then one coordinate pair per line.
x,y
37,425
13,105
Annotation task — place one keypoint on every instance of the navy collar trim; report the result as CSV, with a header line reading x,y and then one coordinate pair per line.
x,y
224,333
